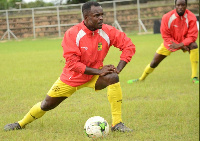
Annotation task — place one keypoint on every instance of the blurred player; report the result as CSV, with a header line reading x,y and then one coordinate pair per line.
x,y
179,31
85,46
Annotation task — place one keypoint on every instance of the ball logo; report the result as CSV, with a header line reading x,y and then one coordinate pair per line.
x,y
96,127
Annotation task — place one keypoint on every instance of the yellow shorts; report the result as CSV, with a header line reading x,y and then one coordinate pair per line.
x,y
163,50
60,89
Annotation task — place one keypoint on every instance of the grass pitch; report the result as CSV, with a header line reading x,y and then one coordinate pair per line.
x,y
163,107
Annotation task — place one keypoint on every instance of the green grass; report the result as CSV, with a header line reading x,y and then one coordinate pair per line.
x,y
164,107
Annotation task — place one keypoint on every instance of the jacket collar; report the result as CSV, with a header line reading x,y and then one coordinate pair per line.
x,y
87,31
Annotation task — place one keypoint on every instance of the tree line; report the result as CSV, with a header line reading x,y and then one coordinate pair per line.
x,y
16,4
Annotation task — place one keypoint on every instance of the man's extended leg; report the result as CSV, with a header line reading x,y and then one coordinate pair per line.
x,y
194,59
59,92
37,111
149,68
146,72
34,113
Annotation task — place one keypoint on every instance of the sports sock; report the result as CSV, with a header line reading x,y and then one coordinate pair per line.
x,y
34,113
146,72
115,98
194,59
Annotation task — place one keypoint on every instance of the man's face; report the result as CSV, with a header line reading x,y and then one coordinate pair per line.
x,y
180,7
94,19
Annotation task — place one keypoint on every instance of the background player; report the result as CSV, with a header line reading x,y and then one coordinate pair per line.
x,y
179,31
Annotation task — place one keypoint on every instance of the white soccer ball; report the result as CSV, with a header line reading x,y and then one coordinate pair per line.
x,y
96,127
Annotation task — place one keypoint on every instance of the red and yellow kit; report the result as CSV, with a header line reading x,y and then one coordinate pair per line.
x,y
179,28
83,47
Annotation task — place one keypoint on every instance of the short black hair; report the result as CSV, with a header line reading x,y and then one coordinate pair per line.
x,y
185,2
87,6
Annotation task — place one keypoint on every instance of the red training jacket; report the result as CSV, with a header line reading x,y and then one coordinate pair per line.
x,y
179,28
82,47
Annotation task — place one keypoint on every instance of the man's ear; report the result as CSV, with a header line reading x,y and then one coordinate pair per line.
x,y
85,16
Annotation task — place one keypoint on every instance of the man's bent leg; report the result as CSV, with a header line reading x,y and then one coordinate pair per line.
x,y
194,59
114,94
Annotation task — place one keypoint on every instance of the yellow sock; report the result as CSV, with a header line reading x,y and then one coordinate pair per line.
x,y
194,59
34,113
115,98
146,72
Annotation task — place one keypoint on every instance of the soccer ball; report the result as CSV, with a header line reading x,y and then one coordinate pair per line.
x,y
96,127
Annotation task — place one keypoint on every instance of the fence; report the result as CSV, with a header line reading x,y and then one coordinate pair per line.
x,y
126,15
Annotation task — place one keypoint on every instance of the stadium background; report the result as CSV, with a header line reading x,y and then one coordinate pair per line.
x,y
126,15
163,108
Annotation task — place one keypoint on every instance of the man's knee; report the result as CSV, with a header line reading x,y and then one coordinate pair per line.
x,y
50,103
154,64
156,60
193,45
112,78
46,105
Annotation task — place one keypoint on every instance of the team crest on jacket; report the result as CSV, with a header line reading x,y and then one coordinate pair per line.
x,y
99,46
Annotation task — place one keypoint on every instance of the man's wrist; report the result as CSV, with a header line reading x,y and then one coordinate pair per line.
x,y
92,71
181,45
98,71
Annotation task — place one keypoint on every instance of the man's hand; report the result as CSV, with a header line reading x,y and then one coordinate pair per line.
x,y
185,48
173,46
107,69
